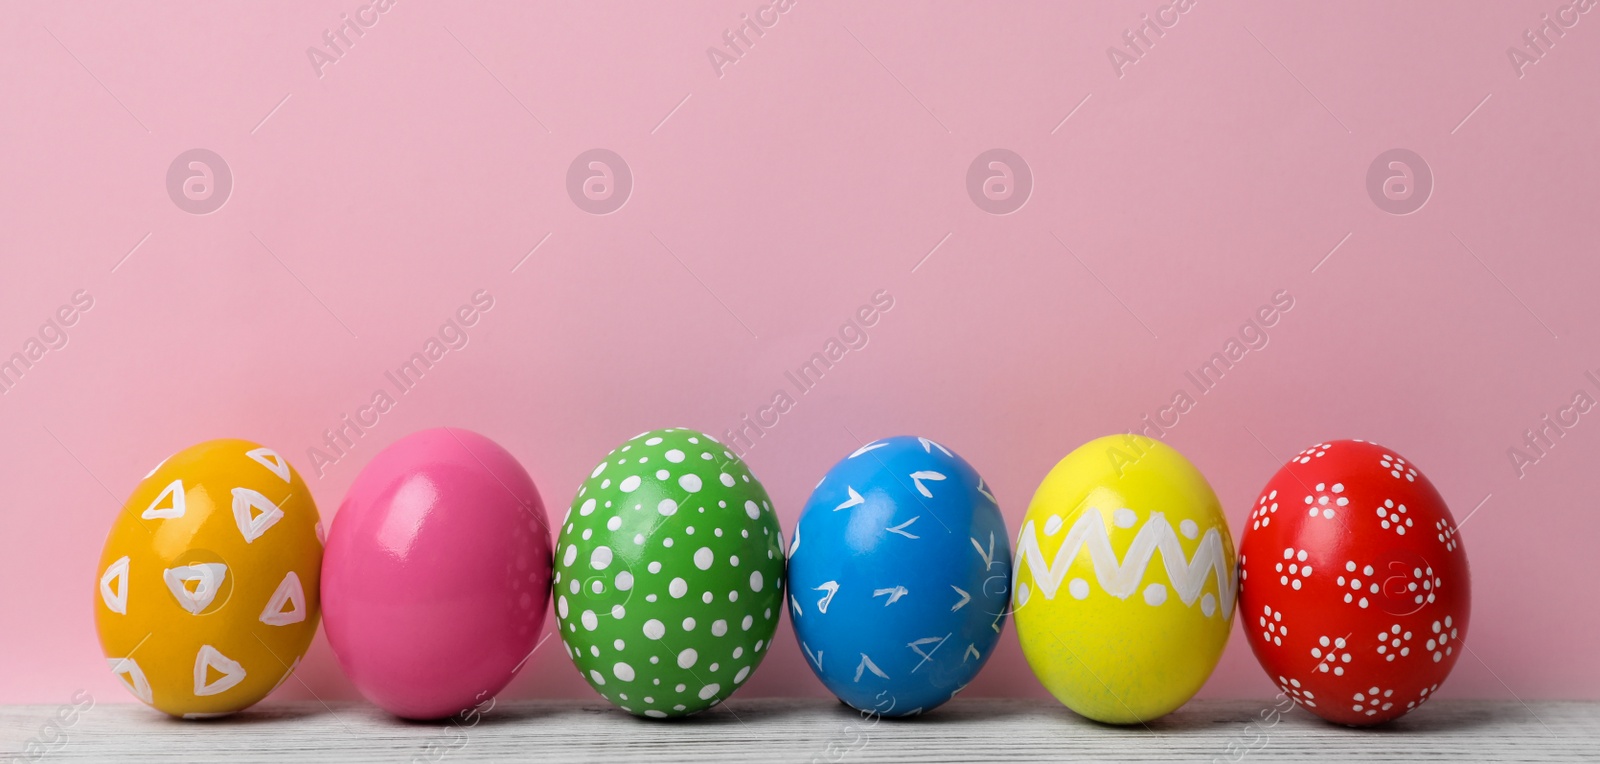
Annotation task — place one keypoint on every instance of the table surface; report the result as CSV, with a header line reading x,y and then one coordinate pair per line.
x,y
805,730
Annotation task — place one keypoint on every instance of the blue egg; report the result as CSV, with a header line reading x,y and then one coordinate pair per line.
x,y
899,576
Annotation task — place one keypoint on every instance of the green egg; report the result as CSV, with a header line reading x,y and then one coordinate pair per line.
x,y
669,574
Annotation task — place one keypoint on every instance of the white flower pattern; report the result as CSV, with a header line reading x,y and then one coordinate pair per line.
x,y
1393,516
1332,654
1328,502
1292,688
1273,630
1314,452
1398,468
1444,632
1394,643
1447,534
1261,516
1356,584
1372,701
1297,569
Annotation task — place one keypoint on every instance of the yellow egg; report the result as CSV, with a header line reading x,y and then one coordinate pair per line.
x,y
206,595
1125,580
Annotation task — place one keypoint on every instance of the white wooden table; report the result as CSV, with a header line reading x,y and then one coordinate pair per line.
x,y
771,730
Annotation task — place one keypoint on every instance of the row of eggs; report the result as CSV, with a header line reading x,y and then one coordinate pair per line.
x,y
669,575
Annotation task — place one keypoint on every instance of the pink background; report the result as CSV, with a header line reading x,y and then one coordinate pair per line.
x,y
822,167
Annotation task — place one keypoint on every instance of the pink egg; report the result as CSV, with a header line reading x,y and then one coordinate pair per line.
x,y
436,576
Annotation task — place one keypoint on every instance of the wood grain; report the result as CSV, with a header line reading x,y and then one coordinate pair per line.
x,y
803,730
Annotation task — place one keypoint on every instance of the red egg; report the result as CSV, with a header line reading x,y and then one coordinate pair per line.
x,y
1353,584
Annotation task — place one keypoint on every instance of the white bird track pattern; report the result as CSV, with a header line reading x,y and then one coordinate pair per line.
x,y
866,664
893,594
1121,579
921,475
916,647
832,588
988,556
855,500
901,528
928,446
254,514
866,448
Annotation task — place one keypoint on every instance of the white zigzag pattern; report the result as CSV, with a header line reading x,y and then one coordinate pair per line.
x,y
1121,579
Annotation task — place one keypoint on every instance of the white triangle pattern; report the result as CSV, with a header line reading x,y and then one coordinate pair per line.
x,y
252,526
175,509
209,657
116,599
132,678
209,576
290,594
270,459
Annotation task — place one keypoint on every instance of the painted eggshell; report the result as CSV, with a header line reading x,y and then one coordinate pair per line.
x,y
899,576
1354,587
669,574
1124,582
437,575
208,586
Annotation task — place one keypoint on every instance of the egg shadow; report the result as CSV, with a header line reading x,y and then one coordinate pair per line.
x,y
254,715
1434,718
960,710
749,711
1449,717
502,713
1175,722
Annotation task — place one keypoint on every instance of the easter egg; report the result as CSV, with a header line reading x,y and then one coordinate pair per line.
x,y
437,574
899,576
669,574
208,586
1124,584
1354,586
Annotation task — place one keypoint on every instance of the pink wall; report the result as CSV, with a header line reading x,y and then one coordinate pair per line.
x,y
769,200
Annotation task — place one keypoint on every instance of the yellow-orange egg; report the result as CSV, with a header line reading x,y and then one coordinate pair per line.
x,y
206,593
